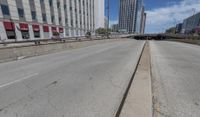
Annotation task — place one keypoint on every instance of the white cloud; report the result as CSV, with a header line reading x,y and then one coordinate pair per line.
x,y
161,18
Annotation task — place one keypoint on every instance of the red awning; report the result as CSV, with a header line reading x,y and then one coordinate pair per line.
x,y
9,26
61,30
54,29
46,28
36,28
23,26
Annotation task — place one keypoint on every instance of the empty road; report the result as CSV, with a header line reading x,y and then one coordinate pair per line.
x,y
176,79
86,82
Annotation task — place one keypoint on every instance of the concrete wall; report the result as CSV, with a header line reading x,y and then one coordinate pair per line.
x,y
16,53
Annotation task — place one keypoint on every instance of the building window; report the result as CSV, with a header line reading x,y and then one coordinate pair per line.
x,y
50,3
33,10
65,7
5,10
36,34
33,14
60,20
67,32
72,24
10,30
199,23
44,17
41,1
24,30
25,34
21,12
58,4
77,32
52,19
36,31
46,29
10,34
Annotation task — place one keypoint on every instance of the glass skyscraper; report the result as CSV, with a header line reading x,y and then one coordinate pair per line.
x,y
130,16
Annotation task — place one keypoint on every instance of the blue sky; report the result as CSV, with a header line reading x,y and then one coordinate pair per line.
x,y
161,14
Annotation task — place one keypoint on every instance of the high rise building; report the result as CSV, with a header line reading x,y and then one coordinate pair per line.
x,y
143,21
191,23
41,19
115,27
127,15
139,14
99,13
130,15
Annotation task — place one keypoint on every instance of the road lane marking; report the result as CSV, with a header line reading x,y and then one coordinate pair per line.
x,y
19,80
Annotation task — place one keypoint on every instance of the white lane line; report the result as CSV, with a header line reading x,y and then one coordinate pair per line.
x,y
19,80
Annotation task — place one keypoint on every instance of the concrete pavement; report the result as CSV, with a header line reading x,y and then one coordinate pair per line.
x,y
138,102
176,79
87,82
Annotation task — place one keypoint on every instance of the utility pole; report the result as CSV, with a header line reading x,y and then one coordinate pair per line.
x,y
108,13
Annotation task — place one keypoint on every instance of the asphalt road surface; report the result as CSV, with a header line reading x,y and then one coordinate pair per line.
x,y
87,82
176,79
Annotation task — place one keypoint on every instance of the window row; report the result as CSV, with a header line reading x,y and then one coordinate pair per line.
x,y
6,12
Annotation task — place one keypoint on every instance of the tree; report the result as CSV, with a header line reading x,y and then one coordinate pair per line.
x,y
88,35
171,30
102,31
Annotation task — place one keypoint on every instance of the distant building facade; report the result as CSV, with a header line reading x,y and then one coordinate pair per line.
x,y
179,28
115,27
143,21
130,15
171,30
41,19
99,6
191,23
139,15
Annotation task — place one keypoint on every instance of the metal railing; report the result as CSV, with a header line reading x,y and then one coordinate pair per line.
x,y
60,40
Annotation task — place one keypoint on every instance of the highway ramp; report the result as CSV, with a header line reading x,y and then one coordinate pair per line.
x,y
86,82
176,79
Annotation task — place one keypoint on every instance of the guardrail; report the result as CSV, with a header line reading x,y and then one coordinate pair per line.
x,y
163,36
61,40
